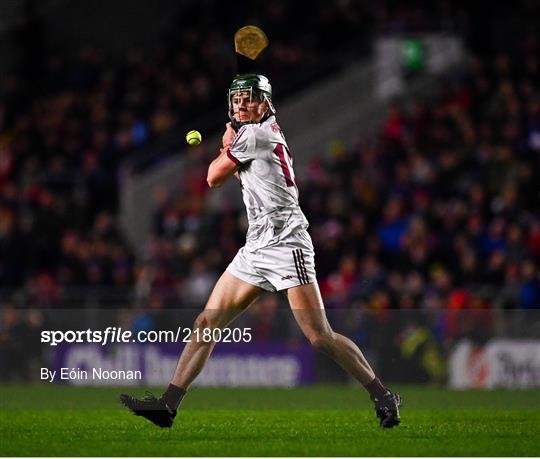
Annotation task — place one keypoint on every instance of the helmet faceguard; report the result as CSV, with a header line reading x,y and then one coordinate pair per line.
x,y
257,86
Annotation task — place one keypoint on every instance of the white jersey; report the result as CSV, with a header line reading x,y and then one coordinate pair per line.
x,y
268,184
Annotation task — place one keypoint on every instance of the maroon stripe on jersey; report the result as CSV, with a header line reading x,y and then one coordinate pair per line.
x,y
233,158
237,138
284,167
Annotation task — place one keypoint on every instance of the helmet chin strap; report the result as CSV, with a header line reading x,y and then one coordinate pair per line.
x,y
236,125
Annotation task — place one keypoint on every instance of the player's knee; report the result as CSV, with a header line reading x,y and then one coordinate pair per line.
x,y
206,321
320,339
201,321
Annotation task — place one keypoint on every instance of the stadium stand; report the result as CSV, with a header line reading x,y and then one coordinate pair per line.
x,y
439,212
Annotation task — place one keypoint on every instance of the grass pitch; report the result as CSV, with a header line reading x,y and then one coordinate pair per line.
x,y
45,420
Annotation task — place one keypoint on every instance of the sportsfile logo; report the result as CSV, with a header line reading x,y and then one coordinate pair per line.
x,y
109,335
118,335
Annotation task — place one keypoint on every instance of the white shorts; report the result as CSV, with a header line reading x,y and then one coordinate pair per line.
x,y
277,267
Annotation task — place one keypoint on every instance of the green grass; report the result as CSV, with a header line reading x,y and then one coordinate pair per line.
x,y
44,420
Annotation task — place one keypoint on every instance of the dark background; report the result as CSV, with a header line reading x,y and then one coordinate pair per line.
x,y
437,213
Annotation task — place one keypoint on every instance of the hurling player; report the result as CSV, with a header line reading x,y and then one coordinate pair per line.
x,y
278,254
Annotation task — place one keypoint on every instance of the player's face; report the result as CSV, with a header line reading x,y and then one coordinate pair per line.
x,y
247,108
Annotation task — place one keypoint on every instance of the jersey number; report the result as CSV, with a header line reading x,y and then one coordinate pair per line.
x,y
285,160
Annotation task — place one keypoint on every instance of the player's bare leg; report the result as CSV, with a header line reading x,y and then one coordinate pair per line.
x,y
308,309
229,298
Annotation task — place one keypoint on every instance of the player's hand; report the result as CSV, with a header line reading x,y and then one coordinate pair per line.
x,y
229,135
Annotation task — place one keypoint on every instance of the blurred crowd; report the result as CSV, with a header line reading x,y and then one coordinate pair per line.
x,y
441,211
67,121
438,213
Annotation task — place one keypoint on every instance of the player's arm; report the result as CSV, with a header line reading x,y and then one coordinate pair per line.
x,y
221,169
224,165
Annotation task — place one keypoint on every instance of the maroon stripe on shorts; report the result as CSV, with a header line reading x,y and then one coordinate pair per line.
x,y
297,263
303,265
